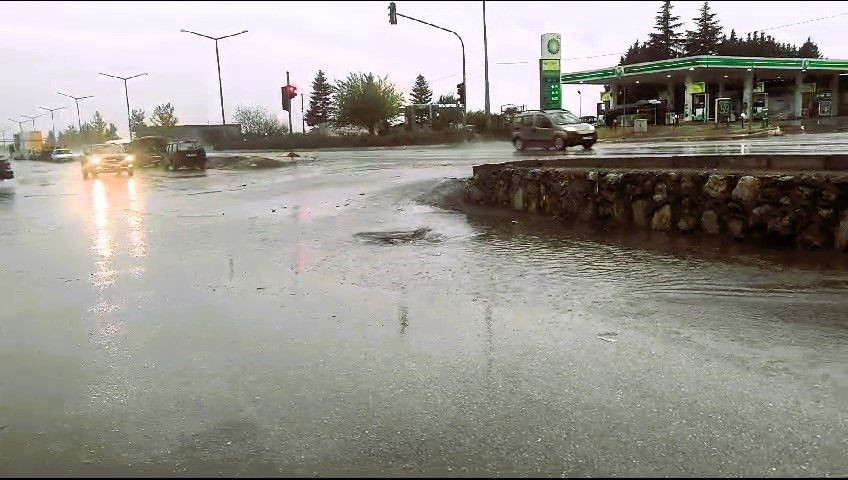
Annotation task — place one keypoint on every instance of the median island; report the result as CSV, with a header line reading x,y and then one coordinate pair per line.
x,y
799,200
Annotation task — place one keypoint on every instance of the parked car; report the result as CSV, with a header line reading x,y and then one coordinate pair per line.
x,y
106,157
185,153
148,151
61,155
6,172
551,128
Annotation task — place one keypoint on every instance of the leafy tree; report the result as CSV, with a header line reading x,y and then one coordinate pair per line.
x,y
320,102
256,120
366,101
667,41
448,99
99,127
706,37
163,116
137,119
809,50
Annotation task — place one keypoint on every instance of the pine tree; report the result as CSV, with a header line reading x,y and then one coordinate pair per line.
x,y
809,50
421,94
667,41
320,101
706,37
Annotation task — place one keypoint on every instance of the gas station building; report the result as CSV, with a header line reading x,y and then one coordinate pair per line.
x,y
690,87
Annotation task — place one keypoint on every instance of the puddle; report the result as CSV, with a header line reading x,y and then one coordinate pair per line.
x,y
608,336
423,234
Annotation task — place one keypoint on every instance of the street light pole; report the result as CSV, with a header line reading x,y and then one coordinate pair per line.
x,y
32,119
486,67
127,95
52,122
580,106
218,60
76,100
20,124
464,86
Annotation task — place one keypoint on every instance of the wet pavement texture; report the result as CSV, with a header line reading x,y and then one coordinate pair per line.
x,y
327,319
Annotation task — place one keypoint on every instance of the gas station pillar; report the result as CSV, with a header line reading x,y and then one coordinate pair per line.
x,y
687,98
748,94
799,97
834,95
613,95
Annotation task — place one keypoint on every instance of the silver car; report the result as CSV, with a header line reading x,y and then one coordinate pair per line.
x,y
551,128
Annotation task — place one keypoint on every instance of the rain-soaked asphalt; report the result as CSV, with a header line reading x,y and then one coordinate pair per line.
x,y
280,322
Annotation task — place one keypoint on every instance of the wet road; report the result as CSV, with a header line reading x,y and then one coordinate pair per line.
x,y
277,323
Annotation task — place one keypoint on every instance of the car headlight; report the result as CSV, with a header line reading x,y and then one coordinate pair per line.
x,y
570,129
95,160
130,158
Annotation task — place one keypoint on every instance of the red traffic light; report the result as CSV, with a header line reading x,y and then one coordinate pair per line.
x,y
291,90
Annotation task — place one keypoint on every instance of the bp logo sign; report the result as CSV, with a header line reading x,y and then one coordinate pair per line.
x,y
553,45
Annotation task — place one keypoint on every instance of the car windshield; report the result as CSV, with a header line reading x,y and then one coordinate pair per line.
x,y
107,149
61,151
189,145
563,118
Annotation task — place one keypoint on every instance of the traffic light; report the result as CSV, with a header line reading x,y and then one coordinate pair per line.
x,y
392,13
288,92
460,92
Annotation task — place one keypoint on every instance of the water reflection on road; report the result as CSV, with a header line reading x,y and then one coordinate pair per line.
x,y
321,320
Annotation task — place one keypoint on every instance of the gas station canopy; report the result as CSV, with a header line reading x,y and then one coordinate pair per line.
x,y
674,67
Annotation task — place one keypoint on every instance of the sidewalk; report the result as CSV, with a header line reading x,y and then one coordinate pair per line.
x,y
712,132
685,133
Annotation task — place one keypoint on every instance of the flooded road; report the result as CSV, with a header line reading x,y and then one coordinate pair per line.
x,y
327,319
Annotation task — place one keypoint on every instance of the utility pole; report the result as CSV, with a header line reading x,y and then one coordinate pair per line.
x,y
291,128
393,21
126,93
218,60
76,100
52,122
302,117
486,67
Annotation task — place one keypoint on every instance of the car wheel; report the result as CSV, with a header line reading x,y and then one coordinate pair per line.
x,y
203,166
518,143
559,143
588,145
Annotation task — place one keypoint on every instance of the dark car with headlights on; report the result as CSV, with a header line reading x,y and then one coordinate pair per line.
x,y
104,158
184,153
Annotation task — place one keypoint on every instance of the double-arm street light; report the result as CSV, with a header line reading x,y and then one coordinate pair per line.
x,y
218,60
76,100
32,119
20,124
126,93
52,122
393,20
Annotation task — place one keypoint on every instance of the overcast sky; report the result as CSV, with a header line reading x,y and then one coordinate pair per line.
x,y
55,46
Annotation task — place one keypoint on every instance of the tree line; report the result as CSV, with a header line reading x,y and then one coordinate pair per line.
x,y
708,38
98,130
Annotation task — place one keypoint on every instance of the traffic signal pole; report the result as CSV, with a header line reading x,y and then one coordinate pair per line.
x,y
291,131
393,12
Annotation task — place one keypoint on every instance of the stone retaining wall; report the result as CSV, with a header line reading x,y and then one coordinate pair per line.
x,y
809,210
